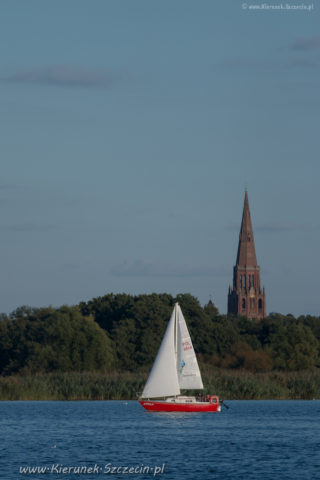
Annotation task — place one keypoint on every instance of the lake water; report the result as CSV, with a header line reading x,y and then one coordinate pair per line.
x,y
266,440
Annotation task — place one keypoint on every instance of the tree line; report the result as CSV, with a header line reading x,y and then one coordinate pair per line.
x,y
120,332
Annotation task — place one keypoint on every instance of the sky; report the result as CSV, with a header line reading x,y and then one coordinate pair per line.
x,y
129,132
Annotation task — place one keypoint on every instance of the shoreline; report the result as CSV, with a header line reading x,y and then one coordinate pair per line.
x,y
98,386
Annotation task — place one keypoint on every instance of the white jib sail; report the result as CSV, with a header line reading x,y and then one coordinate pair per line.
x,y
163,378
188,370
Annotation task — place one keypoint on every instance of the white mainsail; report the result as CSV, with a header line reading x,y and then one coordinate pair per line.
x,y
175,366
163,378
189,375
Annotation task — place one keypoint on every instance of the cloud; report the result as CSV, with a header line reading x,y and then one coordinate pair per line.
x,y
27,227
284,227
242,64
10,187
145,268
233,227
303,62
276,227
63,76
246,63
11,192
306,44
70,267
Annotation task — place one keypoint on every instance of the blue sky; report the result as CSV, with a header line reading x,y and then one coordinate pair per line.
x,y
129,130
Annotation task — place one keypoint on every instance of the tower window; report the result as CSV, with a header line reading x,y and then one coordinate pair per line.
x,y
240,281
253,280
243,303
244,281
260,304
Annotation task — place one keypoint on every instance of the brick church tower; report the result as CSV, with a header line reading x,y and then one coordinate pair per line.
x,y
246,297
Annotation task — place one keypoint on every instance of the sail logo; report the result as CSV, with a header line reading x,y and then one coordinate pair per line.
x,y
186,345
183,363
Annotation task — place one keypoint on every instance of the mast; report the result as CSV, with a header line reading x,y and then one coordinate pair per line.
x,y
176,329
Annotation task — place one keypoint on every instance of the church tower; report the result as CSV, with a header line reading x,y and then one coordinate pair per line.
x,y
245,296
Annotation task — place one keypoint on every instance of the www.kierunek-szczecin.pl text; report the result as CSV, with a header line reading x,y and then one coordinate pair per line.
x,y
107,469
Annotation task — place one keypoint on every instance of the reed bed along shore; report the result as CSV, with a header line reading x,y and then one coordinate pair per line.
x,y
228,384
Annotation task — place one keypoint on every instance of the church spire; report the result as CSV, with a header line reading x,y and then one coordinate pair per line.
x,y
245,296
246,249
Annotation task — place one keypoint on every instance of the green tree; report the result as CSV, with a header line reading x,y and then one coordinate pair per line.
x,y
45,340
294,347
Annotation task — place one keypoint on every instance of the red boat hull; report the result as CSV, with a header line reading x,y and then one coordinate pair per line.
x,y
180,407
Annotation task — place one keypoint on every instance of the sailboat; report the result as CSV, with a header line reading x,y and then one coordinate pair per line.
x,y
176,368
